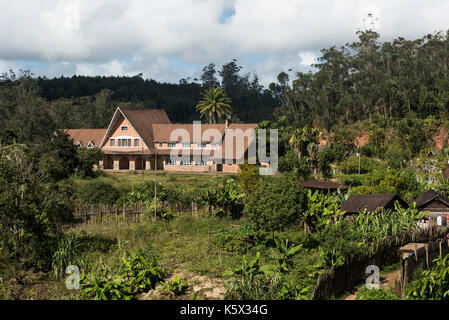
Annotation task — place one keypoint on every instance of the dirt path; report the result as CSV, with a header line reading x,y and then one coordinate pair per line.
x,y
200,287
386,281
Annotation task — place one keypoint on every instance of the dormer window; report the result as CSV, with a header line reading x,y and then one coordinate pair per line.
x,y
90,145
124,128
79,144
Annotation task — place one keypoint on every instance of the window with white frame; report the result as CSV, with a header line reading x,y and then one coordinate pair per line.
x,y
200,162
186,145
112,142
170,162
171,144
79,144
124,128
185,162
90,145
215,145
201,145
161,145
136,142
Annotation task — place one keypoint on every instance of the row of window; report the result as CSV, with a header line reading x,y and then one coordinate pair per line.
x,y
185,162
124,142
188,145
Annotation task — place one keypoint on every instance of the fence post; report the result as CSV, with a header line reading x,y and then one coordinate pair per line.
x,y
124,214
427,256
441,254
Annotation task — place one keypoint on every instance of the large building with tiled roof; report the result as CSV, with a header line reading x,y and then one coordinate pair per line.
x,y
146,139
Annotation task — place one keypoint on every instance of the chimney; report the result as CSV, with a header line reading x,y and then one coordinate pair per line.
x,y
228,121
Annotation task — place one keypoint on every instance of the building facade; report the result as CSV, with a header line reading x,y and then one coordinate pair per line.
x,y
146,139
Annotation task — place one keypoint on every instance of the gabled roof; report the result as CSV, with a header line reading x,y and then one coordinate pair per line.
x,y
319,184
370,202
429,196
141,121
86,135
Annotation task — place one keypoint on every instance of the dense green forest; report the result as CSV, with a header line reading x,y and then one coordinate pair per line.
x,y
397,79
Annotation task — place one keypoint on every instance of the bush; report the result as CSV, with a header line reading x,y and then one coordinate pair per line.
x,y
96,191
87,158
351,165
377,294
277,203
34,207
289,162
433,284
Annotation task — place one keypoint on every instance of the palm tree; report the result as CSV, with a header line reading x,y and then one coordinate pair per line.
x,y
215,103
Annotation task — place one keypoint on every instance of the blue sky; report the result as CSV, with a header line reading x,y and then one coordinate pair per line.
x,y
170,40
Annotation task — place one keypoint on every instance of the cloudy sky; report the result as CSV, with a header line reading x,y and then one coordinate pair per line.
x,y
173,39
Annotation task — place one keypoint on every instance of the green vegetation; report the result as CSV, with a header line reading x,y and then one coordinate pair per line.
x,y
357,119
214,105
432,284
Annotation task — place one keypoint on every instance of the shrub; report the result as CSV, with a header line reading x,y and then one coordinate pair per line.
x,y
96,191
141,272
248,177
289,162
104,287
87,158
432,284
277,202
377,294
351,165
325,160
226,198
67,253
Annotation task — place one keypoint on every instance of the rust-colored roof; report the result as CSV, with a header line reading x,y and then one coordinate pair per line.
x,y
86,135
319,184
162,132
142,121
428,196
370,202
241,139
243,135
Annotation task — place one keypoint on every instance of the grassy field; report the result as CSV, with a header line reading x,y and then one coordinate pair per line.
x,y
177,181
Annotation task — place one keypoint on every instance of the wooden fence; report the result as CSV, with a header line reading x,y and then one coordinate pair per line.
x,y
421,257
127,212
343,278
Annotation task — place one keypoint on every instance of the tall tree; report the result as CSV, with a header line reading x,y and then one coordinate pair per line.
x,y
208,78
214,104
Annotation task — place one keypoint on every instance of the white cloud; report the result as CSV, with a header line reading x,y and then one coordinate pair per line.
x,y
112,37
